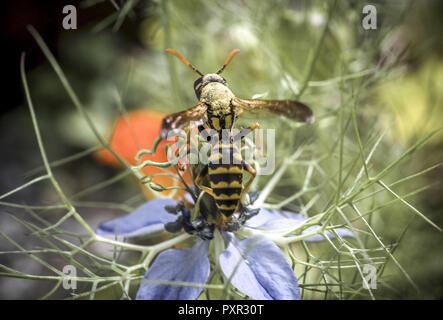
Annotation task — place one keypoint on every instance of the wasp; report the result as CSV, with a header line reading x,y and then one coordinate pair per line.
x,y
218,108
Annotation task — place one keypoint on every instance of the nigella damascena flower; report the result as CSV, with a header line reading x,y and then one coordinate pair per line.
x,y
252,262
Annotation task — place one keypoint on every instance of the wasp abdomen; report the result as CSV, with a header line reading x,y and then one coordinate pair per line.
x,y
225,176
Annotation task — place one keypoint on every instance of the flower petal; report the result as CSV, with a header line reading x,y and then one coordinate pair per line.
x,y
147,219
279,225
284,221
343,232
259,269
187,197
191,265
266,215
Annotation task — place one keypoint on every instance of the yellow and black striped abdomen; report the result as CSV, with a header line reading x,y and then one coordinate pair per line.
x,y
225,177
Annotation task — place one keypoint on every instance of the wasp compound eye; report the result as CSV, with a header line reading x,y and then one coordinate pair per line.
x,y
198,87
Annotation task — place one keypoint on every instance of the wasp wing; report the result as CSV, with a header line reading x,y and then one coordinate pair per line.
x,y
289,108
181,119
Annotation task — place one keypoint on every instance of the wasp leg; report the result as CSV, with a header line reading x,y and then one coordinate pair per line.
x,y
188,137
251,170
245,132
183,155
199,178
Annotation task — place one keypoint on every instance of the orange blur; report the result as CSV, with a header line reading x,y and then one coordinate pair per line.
x,y
138,131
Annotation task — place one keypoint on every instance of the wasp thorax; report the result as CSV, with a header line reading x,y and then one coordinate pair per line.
x,y
215,94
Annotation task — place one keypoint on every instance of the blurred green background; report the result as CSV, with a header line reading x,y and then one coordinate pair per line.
x,y
316,51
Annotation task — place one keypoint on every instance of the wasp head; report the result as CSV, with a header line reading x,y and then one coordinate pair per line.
x,y
201,82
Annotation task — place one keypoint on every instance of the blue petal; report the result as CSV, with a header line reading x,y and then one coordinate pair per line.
x,y
191,265
266,215
188,198
343,232
281,221
260,269
279,225
147,219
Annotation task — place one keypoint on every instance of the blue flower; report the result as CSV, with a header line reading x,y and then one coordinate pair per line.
x,y
191,265
254,265
148,219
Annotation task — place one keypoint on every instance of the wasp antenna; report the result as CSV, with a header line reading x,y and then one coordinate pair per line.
x,y
186,62
231,55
